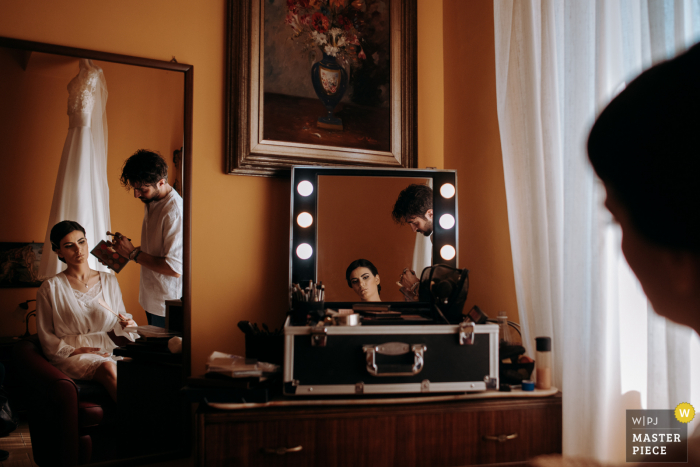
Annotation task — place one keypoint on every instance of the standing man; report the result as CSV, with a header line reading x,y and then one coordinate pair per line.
x,y
414,207
160,253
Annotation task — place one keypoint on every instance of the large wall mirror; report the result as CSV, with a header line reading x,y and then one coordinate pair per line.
x,y
350,215
149,106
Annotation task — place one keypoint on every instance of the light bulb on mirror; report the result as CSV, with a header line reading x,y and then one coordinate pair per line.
x,y
447,221
304,251
447,190
447,252
305,188
305,220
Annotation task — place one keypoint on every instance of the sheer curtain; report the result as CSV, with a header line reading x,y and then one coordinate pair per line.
x,y
557,65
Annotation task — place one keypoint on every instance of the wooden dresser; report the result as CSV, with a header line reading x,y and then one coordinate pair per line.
x,y
465,432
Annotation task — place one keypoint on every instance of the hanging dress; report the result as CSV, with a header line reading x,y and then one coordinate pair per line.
x,y
82,193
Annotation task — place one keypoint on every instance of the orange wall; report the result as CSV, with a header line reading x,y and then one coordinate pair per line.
x,y
241,224
144,109
473,148
354,221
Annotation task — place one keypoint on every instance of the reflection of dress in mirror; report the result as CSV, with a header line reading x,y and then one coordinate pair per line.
x,y
81,191
363,278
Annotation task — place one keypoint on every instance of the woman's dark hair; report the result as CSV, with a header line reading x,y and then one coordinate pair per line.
x,y
414,200
145,168
645,147
60,230
362,263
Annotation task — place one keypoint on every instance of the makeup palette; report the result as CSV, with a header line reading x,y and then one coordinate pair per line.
x,y
106,254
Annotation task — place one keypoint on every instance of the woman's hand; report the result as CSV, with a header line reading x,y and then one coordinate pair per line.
x,y
95,350
124,321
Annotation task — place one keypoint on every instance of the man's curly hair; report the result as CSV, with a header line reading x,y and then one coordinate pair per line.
x,y
145,168
414,200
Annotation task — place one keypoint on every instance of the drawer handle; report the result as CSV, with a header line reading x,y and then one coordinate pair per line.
x,y
500,438
281,451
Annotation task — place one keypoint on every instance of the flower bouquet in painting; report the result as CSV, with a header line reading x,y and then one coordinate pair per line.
x,y
333,27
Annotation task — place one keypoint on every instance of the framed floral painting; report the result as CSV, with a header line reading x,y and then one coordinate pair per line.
x,y
320,82
19,264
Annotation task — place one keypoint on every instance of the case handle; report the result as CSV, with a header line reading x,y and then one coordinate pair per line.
x,y
394,348
281,451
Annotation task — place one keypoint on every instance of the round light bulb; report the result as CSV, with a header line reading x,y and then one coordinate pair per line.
x,y
305,219
447,190
304,251
447,252
305,188
447,221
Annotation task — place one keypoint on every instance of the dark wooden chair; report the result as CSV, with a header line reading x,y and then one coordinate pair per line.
x,y
71,422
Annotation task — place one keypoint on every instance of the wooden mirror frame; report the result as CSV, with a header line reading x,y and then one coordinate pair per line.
x,y
188,71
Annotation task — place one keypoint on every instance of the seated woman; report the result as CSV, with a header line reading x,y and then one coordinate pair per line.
x,y
363,278
72,320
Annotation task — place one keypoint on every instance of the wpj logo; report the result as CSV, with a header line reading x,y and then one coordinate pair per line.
x,y
657,435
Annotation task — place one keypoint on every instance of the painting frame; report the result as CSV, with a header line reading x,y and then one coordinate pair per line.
x,y
247,153
14,266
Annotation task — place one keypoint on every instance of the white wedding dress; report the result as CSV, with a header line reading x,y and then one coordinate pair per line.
x,y
82,193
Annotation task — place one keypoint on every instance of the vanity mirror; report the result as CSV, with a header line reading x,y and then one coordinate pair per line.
x,y
340,215
149,106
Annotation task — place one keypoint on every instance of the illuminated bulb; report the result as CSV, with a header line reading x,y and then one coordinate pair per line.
x,y
304,220
304,251
447,252
305,188
447,190
446,221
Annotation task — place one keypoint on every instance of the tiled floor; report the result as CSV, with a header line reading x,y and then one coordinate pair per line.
x,y
19,445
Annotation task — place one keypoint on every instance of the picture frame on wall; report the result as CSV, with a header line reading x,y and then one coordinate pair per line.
x,y
320,82
19,264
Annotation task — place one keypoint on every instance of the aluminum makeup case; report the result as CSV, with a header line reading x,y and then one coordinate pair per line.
x,y
390,359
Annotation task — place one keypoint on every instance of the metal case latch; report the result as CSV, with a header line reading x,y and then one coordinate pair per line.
x,y
359,388
466,333
319,336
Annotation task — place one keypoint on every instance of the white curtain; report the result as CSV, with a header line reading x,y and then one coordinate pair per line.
x,y
81,193
558,63
422,249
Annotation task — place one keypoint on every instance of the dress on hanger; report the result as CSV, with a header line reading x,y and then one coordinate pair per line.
x,y
82,193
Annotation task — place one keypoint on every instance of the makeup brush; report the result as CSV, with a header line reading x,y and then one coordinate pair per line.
x,y
101,302
117,235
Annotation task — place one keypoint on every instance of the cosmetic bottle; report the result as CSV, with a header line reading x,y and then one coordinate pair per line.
x,y
504,332
543,362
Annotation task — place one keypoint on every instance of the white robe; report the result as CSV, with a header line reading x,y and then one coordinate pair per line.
x,y
63,325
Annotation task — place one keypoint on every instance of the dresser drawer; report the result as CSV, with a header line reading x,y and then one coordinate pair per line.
x,y
425,434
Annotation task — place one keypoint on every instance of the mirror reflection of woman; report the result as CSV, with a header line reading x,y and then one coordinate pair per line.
x,y
73,324
363,278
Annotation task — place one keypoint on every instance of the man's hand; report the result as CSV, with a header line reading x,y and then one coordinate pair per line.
x,y
122,245
409,283
95,350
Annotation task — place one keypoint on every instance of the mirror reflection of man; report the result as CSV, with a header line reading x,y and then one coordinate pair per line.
x,y
414,207
160,253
